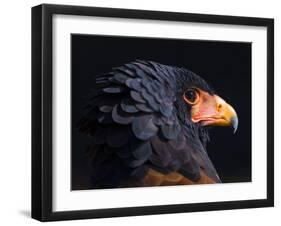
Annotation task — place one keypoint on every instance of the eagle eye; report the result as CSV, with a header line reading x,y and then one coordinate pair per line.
x,y
191,96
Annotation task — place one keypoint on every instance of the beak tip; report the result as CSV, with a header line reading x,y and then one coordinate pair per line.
x,y
234,122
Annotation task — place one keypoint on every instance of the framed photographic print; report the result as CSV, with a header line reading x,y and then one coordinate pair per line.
x,y
144,112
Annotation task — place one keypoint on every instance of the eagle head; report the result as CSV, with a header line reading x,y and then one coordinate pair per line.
x,y
197,103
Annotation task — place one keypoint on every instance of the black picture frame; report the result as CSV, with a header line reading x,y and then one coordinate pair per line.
x,y
42,111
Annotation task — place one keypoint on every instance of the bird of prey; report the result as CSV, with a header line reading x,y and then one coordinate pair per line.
x,y
148,125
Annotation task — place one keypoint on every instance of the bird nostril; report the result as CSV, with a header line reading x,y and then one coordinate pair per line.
x,y
219,107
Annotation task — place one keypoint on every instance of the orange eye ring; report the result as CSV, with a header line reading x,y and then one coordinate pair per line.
x,y
191,96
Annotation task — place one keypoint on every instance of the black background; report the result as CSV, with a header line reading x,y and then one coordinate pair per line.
x,y
226,66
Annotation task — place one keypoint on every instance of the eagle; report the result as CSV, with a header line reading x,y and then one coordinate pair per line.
x,y
148,126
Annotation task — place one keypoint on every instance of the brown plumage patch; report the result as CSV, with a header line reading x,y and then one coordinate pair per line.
x,y
154,178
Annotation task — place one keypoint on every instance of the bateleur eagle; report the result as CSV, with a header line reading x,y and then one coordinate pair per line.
x,y
148,126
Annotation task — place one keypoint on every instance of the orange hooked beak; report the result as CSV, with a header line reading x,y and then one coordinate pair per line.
x,y
212,110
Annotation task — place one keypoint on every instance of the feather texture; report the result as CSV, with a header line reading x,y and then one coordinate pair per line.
x,y
135,125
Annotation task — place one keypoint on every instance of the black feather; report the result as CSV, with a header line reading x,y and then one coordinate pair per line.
x,y
166,109
144,108
137,97
105,109
170,132
161,156
142,151
134,84
120,116
143,127
128,106
116,89
120,77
